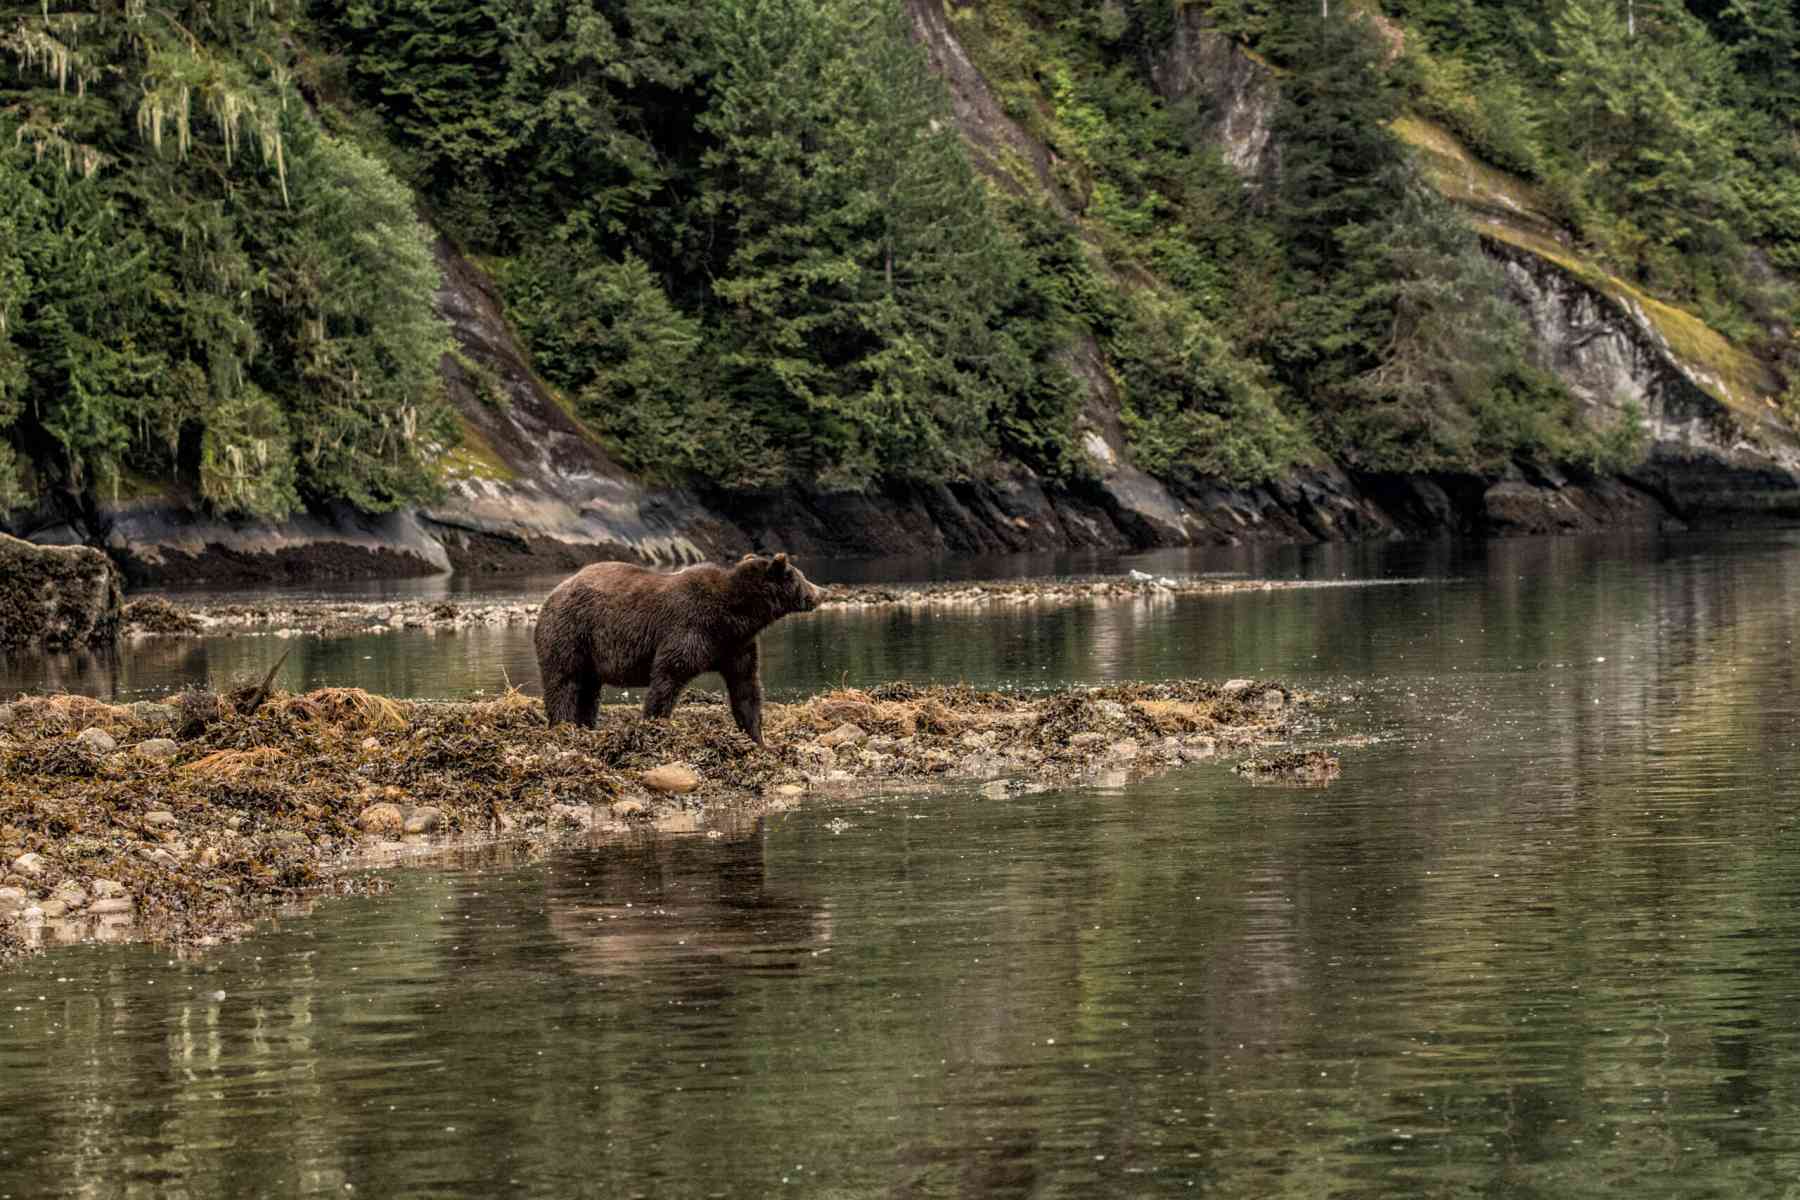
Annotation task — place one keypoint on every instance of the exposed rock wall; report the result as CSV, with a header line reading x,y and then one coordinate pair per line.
x,y
1703,459
56,597
1226,97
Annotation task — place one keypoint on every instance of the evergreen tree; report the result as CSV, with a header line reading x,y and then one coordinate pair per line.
x,y
861,270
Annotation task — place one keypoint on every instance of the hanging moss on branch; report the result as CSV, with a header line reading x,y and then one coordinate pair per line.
x,y
198,285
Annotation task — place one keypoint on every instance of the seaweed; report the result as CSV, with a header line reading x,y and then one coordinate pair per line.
x,y
261,795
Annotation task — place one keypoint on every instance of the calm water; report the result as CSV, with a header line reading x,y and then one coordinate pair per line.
x,y
1542,939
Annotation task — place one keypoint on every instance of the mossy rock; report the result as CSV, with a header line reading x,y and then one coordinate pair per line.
x,y
56,597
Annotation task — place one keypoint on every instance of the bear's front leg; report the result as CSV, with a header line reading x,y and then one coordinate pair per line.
x,y
743,683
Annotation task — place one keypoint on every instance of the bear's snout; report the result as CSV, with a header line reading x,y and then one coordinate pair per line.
x,y
809,599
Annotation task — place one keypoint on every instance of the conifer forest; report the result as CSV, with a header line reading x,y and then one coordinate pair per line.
x,y
749,242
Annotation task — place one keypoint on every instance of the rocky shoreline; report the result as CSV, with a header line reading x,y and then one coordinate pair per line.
x,y
181,822
156,616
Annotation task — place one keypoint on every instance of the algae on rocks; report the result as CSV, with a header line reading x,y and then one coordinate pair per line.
x,y
271,796
56,597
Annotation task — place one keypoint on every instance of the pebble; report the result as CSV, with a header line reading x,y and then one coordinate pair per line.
x,y
97,740
110,906
52,909
996,790
627,808
29,865
12,901
34,915
108,887
790,789
159,856
670,777
71,895
159,818
381,818
371,744
424,820
1233,688
1112,710
846,734
1086,738
159,748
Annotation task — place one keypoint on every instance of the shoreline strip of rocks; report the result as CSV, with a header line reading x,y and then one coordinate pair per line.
x,y
158,616
178,821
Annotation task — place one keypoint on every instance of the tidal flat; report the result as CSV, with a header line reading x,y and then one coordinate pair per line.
x,y
180,821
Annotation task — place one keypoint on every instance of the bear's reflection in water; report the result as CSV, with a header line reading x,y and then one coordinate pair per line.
x,y
689,905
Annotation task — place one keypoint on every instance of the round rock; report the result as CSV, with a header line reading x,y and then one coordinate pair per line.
x,y
381,818
160,819
97,740
108,887
30,865
672,778
846,734
71,895
110,906
161,749
424,820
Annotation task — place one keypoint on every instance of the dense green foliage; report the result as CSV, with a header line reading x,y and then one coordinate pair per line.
x,y
745,241
197,282
1667,135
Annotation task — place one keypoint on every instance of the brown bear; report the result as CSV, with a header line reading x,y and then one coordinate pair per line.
x,y
614,623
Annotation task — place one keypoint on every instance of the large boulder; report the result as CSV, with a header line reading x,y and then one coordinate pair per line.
x,y
56,597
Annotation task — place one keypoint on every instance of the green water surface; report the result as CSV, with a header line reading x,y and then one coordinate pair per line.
x,y
1541,939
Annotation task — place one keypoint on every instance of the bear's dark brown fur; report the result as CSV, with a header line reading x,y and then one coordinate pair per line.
x,y
618,624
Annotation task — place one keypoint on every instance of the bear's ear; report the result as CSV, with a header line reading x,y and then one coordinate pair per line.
x,y
778,564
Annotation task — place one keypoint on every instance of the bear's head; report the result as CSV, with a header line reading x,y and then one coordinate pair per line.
x,y
788,589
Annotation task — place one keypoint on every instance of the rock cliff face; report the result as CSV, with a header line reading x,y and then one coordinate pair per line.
x,y
56,597
1227,97
1704,458
530,489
